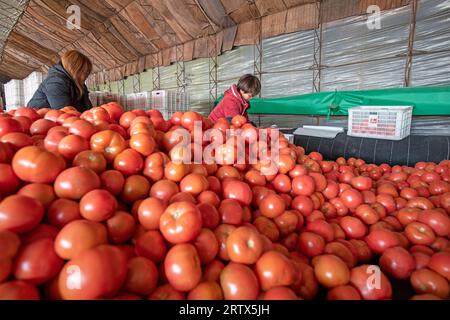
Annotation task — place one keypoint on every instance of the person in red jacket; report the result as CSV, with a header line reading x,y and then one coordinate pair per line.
x,y
236,99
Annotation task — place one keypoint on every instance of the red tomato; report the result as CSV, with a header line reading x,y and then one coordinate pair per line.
x,y
90,159
237,190
182,267
39,191
82,128
440,263
371,283
108,142
361,183
18,290
136,187
194,183
151,245
244,245
128,162
75,182
353,227
8,180
230,212
98,205
142,276
439,222
149,213
9,242
33,164
427,281
343,293
419,233
311,244
238,282
379,240
19,213
207,245
78,236
112,181
121,227
94,273
331,271
180,222
37,262
208,290
397,263
164,190
343,251
272,206
8,125
351,198
63,211
166,292
303,185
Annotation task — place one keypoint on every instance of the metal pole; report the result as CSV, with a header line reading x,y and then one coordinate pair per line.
x,y
258,54
412,34
213,64
155,73
136,83
317,59
181,72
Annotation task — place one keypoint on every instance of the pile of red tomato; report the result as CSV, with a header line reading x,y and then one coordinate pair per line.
x,y
93,207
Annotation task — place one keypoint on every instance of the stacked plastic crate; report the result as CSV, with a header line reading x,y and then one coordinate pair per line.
x,y
31,84
140,100
14,94
170,101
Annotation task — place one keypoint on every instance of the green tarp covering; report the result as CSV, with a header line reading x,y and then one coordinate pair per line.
x,y
427,101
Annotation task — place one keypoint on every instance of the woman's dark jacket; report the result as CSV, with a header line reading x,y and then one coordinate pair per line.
x,y
58,90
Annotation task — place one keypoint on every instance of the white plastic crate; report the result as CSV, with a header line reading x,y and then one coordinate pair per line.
x,y
31,84
139,100
14,94
170,101
380,122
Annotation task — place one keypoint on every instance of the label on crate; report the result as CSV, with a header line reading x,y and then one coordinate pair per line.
x,y
373,121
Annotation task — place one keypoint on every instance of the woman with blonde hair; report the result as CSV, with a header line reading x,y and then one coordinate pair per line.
x,y
65,84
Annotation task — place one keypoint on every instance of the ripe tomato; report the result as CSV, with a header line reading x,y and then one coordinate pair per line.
x,y
166,292
33,164
63,211
18,290
75,182
112,181
8,180
71,145
351,198
142,276
207,290
78,236
397,263
303,185
151,245
272,206
353,227
120,226
128,162
244,245
9,242
380,239
82,128
367,214
90,159
267,228
164,190
98,205
371,283
39,191
180,222
37,262
19,213
136,187
440,263
222,233
237,190
361,183
310,244
427,281
207,246
94,273
231,212
210,215
143,143
343,293
109,143
279,293
182,267
331,271
439,222
419,233
341,250
302,204
238,282
287,222
194,183
149,213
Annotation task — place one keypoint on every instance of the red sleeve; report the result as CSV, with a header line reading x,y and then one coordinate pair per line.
x,y
231,108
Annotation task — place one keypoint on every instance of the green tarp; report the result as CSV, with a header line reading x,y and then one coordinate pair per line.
x,y
427,101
